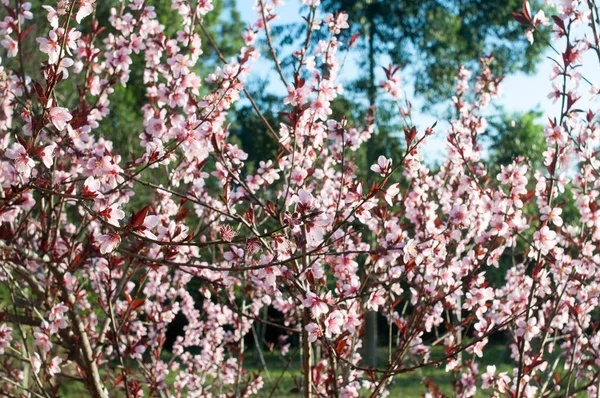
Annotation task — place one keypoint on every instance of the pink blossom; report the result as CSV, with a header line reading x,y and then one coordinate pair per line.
x,y
249,37
91,188
529,35
552,214
311,3
383,166
11,46
314,332
5,337
57,317
333,324
108,243
459,213
36,363
227,234
52,16
59,117
86,7
23,163
545,239
47,155
541,19
156,127
527,329
54,366
298,175
376,299
488,376
204,7
556,92
316,304
490,380
391,193
113,215
150,222
321,109
43,342
50,46
305,201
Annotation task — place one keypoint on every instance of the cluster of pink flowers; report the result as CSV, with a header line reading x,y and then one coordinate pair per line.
x,y
93,290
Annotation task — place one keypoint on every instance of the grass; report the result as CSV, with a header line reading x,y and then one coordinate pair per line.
x,y
404,385
286,379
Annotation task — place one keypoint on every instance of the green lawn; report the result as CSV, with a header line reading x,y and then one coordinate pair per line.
x,y
405,385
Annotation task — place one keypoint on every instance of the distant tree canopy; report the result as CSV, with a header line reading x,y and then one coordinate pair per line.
x,y
516,134
434,37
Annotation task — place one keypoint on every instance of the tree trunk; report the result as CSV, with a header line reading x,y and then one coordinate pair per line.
x,y
371,338
306,355
371,317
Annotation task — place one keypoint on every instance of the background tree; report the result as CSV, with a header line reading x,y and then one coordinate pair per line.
x,y
436,37
513,135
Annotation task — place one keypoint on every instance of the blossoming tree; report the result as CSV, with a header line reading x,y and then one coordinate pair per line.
x,y
91,283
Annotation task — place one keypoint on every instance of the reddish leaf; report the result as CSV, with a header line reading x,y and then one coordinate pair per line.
x,y
559,22
182,214
374,189
310,277
11,12
410,135
137,303
520,18
410,265
118,380
353,40
271,208
78,122
250,215
341,346
23,142
24,34
398,324
137,219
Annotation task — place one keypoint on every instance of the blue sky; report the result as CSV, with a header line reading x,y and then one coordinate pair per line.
x,y
520,92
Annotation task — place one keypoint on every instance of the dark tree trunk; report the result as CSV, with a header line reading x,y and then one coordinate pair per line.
x,y
371,317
